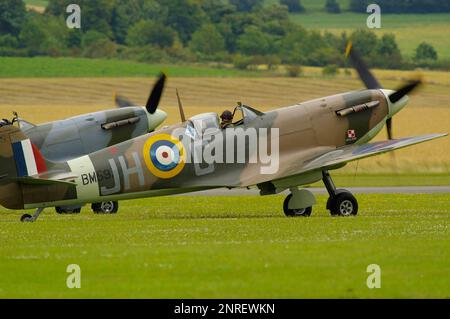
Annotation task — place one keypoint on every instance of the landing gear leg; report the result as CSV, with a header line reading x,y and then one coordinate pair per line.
x,y
341,202
29,218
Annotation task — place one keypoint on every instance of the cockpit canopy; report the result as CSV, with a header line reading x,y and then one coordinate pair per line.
x,y
210,122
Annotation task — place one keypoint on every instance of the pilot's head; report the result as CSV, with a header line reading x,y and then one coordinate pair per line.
x,y
226,116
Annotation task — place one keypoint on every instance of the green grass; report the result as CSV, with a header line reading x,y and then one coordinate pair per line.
x,y
13,67
231,247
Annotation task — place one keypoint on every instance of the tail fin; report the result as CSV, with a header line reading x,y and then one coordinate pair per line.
x,y
18,156
25,175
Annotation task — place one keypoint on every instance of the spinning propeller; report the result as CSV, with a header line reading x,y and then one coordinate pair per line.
x,y
397,99
153,98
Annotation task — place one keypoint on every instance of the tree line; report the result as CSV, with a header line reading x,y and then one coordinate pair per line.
x,y
242,32
403,6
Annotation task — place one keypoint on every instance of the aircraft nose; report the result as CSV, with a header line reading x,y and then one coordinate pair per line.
x,y
155,119
394,108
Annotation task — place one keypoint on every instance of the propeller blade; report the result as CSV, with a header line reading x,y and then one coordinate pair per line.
x,y
180,107
364,72
389,128
404,90
155,95
121,101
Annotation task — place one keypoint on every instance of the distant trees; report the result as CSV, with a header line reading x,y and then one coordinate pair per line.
x,y
12,16
207,40
44,35
247,5
425,51
365,42
254,42
388,53
147,32
332,6
183,16
403,6
96,14
293,5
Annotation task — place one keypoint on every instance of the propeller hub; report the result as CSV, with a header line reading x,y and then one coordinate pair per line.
x,y
155,119
394,108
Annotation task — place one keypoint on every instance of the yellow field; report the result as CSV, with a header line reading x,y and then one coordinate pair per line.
x,y
42,100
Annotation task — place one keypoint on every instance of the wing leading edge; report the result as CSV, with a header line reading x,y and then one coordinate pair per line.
x,y
354,152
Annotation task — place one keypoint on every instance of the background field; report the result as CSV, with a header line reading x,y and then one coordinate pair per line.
x,y
231,247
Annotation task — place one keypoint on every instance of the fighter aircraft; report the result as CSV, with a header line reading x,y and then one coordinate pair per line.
x,y
70,138
305,142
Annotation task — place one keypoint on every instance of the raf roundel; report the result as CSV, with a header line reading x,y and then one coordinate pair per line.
x,y
164,155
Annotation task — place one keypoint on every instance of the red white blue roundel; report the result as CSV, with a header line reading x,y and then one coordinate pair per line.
x,y
164,155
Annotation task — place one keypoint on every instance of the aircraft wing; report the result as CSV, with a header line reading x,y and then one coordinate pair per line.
x,y
354,152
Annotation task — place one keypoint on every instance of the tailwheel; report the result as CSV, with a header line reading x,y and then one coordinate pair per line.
x,y
296,212
343,204
26,218
29,218
109,207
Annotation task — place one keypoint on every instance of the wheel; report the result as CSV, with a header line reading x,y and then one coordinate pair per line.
x,y
26,218
295,212
110,207
61,210
343,204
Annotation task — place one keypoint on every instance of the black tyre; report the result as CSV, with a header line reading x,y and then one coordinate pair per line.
x,y
25,218
61,210
305,212
343,204
109,207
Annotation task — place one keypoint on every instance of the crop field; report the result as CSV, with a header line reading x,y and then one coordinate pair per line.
x,y
231,247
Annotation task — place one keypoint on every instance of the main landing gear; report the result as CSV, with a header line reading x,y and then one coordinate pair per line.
x,y
110,207
299,203
341,202
68,209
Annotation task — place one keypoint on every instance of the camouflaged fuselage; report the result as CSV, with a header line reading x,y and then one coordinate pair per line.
x,y
128,170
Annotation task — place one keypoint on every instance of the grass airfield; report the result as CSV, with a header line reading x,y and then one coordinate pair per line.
x,y
231,247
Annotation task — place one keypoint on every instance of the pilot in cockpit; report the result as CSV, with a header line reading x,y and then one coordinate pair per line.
x,y
227,119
